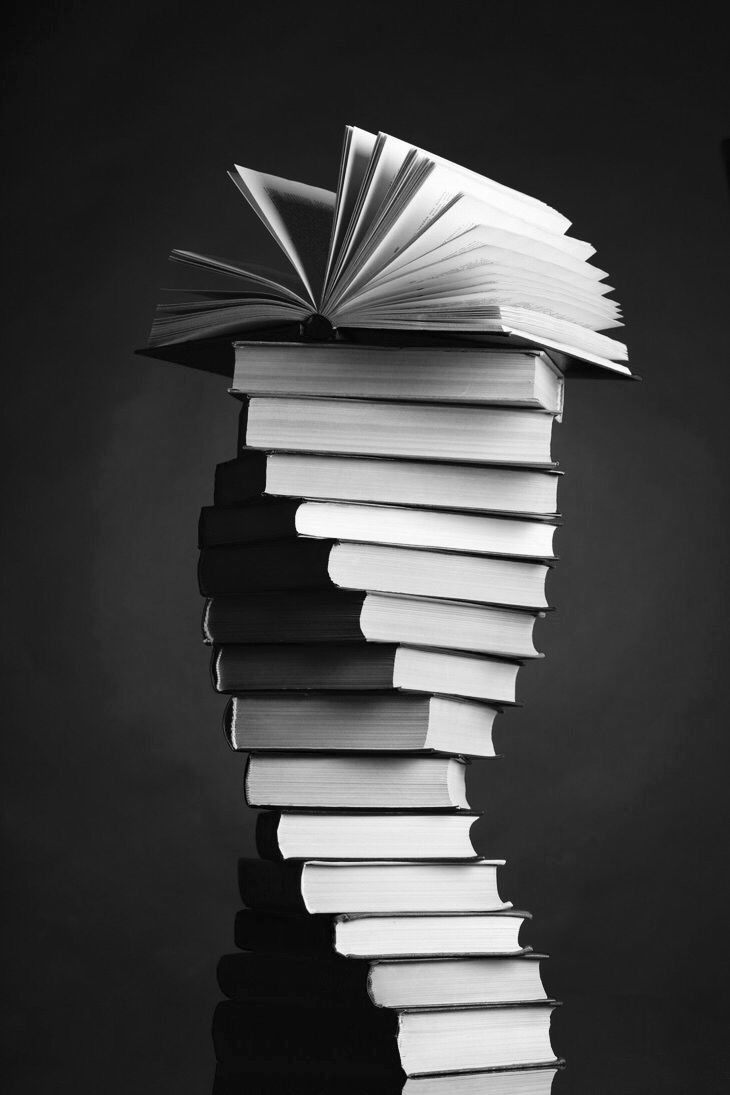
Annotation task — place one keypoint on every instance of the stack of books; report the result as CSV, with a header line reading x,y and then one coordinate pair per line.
x,y
373,564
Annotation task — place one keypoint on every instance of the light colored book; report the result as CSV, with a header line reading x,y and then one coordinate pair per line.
x,y
435,374
478,488
301,780
424,431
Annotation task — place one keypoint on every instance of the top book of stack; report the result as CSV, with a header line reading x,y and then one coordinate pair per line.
x,y
410,246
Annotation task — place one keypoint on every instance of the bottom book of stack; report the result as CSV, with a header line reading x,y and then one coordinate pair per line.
x,y
422,986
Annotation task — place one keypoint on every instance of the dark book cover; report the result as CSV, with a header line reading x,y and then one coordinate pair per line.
x,y
267,565
240,480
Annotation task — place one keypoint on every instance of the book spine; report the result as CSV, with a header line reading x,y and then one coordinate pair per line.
x,y
309,980
263,567
240,480
267,842
264,1030
266,885
242,424
275,934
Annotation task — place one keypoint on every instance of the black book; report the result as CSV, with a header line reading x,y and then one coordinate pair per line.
x,y
443,935
305,563
341,616
312,1077
403,983
361,666
280,933
371,886
263,566
295,616
241,479
261,519
396,526
236,1077
266,1030
296,978
423,1041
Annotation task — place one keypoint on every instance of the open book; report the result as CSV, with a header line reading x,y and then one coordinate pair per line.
x,y
408,242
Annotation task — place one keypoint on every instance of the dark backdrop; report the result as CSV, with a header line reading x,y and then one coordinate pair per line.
x,y
124,811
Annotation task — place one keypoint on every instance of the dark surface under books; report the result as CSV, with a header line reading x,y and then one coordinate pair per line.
x,y
123,809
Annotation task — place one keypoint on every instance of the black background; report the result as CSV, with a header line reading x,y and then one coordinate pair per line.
x,y
124,812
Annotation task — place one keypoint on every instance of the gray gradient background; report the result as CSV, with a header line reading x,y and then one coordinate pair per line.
x,y
124,812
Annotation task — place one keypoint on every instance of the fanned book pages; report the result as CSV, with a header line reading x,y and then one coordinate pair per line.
x,y
410,243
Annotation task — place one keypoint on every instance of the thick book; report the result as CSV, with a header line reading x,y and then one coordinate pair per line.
x,y
477,488
423,431
405,983
436,935
329,615
456,982
315,564
461,1039
355,722
409,242
372,886
313,781
362,666
422,528
425,1041
309,835
277,932
276,1077
436,374
278,518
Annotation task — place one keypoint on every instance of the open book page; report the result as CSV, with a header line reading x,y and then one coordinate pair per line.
x,y
484,260
357,150
571,333
434,216
535,327
499,286
403,217
405,209
262,277
412,203
426,251
491,292
298,216
489,266
388,158
409,241
502,197
218,315
467,214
